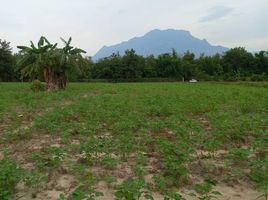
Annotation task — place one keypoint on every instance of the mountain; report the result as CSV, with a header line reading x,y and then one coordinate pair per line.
x,y
158,42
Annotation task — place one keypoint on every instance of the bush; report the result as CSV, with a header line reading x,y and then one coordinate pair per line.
x,y
259,77
231,78
206,77
37,86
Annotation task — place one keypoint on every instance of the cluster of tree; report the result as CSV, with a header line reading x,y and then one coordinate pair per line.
x,y
54,65
235,64
45,61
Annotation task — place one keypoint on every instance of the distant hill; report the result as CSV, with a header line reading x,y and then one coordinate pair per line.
x,y
162,41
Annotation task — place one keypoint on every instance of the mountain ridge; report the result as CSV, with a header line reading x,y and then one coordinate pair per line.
x,y
157,42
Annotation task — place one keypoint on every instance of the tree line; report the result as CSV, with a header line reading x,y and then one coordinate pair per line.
x,y
234,65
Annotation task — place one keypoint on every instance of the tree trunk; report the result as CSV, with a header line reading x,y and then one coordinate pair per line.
x,y
54,80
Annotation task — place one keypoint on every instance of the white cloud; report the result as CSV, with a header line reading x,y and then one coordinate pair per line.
x,y
216,13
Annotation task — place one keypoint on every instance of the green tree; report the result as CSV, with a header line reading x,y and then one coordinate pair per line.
x,y
51,61
238,61
235,64
150,67
85,71
210,65
6,62
169,65
108,68
115,65
261,60
132,65
188,66
164,66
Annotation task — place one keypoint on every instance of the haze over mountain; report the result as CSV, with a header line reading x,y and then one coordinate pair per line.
x,y
158,42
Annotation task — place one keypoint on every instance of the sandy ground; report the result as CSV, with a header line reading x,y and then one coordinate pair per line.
x,y
65,184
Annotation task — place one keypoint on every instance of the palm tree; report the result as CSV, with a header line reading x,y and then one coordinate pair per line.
x,y
51,61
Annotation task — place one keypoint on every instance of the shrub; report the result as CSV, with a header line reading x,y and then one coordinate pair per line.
x,y
258,77
231,78
37,86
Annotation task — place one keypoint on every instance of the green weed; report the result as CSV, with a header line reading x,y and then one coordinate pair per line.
x,y
205,191
10,175
133,189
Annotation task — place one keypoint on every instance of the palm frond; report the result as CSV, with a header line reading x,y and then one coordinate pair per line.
x,y
64,41
41,42
70,40
54,46
23,47
46,40
32,45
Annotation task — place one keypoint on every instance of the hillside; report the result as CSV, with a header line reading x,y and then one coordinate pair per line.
x,y
158,42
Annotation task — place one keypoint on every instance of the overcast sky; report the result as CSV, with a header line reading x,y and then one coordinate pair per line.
x,y
95,23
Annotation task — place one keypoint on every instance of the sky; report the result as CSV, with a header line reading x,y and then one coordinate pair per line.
x,y
95,23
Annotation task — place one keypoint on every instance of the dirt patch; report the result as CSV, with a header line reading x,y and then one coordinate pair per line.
x,y
201,154
45,195
1,156
66,183
58,184
153,166
25,125
107,192
4,124
209,169
3,127
203,120
22,150
166,134
66,103
38,142
238,192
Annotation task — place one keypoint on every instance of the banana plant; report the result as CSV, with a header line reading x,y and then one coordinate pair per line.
x,y
50,61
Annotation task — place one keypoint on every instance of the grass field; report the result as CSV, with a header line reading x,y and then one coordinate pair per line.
x,y
129,140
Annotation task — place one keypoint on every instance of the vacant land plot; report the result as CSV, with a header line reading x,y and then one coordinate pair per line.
x,y
122,141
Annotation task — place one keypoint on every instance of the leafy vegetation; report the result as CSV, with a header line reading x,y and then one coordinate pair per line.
x,y
133,140
205,190
55,65
50,61
133,190
80,194
10,175
37,86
